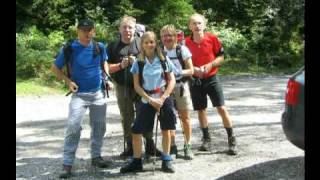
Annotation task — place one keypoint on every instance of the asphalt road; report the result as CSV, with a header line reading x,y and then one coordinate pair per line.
x,y
255,104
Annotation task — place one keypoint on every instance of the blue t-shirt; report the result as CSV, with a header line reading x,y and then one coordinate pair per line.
x,y
152,73
85,70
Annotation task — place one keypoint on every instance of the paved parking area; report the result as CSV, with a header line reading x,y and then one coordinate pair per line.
x,y
255,104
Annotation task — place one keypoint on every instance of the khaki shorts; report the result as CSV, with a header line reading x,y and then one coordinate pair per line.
x,y
182,102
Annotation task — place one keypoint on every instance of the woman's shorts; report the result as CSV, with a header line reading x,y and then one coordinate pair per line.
x,y
146,116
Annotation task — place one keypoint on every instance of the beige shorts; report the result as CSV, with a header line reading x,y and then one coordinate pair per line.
x,y
182,102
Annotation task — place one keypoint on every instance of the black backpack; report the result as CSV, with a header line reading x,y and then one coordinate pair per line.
x,y
67,51
180,58
163,65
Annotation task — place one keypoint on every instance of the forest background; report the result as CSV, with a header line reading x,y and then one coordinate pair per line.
x,y
259,36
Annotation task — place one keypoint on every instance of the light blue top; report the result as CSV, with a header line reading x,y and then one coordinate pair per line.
x,y
152,73
186,54
85,70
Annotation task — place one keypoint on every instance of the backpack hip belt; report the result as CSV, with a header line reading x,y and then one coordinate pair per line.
x,y
155,91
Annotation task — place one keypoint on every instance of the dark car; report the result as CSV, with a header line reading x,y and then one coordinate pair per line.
x,y
293,115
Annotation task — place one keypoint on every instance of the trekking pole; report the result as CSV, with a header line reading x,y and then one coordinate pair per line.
x,y
124,145
125,81
125,96
68,93
156,141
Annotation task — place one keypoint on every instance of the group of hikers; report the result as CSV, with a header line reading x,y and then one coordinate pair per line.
x,y
150,81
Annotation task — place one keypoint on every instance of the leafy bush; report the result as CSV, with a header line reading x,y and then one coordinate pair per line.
x,y
234,43
34,54
105,33
56,38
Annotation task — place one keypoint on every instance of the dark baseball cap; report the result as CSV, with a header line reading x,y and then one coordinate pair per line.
x,y
85,24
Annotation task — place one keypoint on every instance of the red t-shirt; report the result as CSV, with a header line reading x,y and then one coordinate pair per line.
x,y
204,52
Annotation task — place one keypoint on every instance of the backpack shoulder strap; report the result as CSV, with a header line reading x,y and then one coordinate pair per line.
x,y
163,64
97,49
164,67
141,65
137,42
179,55
67,52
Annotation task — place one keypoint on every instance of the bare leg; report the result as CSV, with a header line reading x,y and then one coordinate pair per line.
x,y
173,136
202,115
137,145
166,141
187,130
225,116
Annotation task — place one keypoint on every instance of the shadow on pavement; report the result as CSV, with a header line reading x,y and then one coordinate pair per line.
x,y
287,168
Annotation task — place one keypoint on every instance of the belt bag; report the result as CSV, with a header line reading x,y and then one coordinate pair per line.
x,y
180,85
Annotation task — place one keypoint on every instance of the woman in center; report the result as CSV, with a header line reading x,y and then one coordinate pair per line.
x,y
153,81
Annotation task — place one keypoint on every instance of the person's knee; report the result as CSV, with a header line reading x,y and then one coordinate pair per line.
x,y
222,110
185,117
202,112
166,133
172,131
73,128
102,127
135,135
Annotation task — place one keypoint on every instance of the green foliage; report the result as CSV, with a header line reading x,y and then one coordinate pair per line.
x,y
55,40
36,86
104,33
127,7
273,29
33,54
260,33
234,43
174,12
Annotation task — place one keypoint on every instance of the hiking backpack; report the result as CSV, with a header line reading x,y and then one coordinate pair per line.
x,y
180,37
140,29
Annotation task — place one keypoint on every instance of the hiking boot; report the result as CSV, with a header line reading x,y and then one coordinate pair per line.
x,y
66,172
187,152
167,167
205,146
134,165
173,150
232,146
100,162
150,148
128,152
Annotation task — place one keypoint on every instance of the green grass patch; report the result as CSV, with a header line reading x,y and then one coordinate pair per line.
x,y
255,70
37,87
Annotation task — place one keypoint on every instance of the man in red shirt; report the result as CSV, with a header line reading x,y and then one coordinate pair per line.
x,y
207,55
